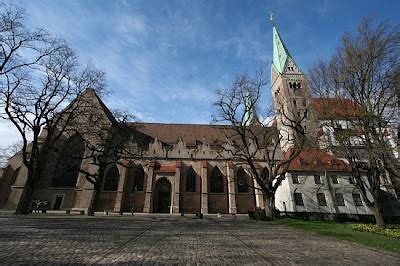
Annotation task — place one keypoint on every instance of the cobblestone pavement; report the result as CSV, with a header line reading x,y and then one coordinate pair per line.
x,y
77,239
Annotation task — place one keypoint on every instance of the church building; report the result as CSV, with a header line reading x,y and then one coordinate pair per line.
x,y
182,170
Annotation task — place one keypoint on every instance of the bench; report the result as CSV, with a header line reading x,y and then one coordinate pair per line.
x,y
39,205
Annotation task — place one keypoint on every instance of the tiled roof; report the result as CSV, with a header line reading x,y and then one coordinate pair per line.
x,y
317,160
191,134
335,108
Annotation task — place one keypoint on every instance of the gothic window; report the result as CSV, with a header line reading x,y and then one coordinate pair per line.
x,y
242,181
112,177
357,199
67,170
321,199
339,199
295,179
139,179
191,180
304,103
334,179
298,199
216,181
317,179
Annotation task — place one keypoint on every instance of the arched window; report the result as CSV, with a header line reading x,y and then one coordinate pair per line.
x,y
216,181
190,180
241,177
112,177
139,179
67,170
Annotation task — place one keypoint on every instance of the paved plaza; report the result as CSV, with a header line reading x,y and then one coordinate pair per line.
x,y
186,240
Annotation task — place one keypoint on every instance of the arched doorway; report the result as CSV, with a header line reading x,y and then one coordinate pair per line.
x,y
162,196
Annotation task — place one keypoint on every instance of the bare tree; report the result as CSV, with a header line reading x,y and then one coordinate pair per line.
x,y
34,91
363,77
7,152
251,141
21,47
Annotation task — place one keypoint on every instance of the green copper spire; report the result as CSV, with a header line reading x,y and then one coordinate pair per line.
x,y
250,114
280,52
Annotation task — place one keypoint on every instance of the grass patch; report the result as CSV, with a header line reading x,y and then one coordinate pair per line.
x,y
346,232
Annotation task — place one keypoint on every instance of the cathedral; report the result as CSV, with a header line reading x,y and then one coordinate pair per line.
x,y
182,170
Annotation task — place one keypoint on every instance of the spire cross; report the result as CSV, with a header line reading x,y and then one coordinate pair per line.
x,y
271,17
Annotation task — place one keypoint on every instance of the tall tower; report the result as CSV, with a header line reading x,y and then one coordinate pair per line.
x,y
291,97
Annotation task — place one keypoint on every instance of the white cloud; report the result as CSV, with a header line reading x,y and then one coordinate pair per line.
x,y
8,134
191,95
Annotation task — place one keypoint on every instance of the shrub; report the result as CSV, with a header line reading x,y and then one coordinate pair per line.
x,y
386,231
257,214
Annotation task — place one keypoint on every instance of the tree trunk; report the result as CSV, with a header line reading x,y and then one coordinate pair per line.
x,y
270,206
25,202
93,201
377,211
380,222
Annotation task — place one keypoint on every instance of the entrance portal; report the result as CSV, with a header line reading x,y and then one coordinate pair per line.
x,y
162,196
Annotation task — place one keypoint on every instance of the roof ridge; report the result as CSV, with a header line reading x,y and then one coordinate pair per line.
x,y
180,124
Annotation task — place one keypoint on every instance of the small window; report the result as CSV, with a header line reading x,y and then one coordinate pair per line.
x,y
304,103
357,199
321,199
298,199
295,179
317,179
352,180
298,115
339,199
305,114
334,179
294,103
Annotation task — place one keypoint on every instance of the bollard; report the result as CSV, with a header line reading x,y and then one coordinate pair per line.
x,y
218,215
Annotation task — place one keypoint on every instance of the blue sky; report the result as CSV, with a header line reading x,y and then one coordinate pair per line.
x,y
164,59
